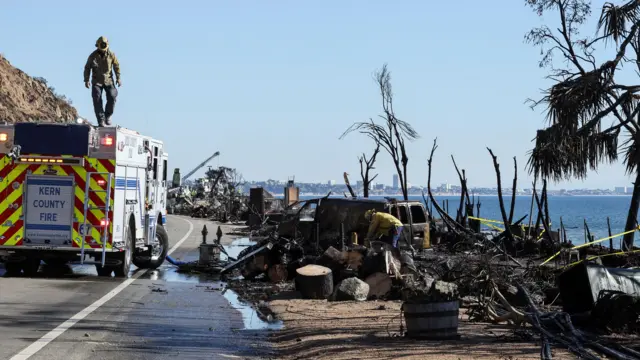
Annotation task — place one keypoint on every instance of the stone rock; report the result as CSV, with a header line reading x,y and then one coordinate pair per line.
x,y
352,289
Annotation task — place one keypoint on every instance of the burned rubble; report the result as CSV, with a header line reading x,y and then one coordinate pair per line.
x,y
531,278
524,275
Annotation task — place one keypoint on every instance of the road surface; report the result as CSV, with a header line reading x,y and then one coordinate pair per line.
x,y
151,315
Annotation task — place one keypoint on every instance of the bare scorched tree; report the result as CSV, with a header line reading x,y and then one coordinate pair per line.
x,y
588,106
366,165
391,135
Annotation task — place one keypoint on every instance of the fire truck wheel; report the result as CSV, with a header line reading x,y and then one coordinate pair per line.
x,y
155,257
13,268
56,262
30,266
159,252
122,269
103,271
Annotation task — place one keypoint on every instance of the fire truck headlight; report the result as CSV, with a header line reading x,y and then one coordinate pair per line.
x,y
4,137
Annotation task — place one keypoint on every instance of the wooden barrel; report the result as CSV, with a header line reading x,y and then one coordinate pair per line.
x,y
433,321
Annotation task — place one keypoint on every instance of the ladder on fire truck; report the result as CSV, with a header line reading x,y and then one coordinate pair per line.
x,y
104,224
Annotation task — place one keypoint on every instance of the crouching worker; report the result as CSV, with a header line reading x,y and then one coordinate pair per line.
x,y
383,226
100,65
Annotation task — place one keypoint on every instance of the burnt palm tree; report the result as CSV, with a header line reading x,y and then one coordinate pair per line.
x,y
589,109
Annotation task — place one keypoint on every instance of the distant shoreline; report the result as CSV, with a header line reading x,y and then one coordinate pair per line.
x,y
505,196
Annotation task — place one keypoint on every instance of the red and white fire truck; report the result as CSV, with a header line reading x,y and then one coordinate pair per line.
x,y
80,194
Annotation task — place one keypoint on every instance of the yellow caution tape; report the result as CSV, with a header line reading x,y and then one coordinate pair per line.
x,y
600,256
590,243
486,220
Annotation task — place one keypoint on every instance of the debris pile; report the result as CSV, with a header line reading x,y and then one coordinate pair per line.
x,y
217,196
510,274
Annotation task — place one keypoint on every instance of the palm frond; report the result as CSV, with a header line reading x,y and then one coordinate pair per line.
x,y
631,153
614,20
559,155
575,101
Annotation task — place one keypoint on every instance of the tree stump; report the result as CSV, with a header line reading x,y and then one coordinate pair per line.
x,y
314,282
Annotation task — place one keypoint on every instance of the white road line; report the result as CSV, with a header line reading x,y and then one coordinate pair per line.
x,y
177,245
53,334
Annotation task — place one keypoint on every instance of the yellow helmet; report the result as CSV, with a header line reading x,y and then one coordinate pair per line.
x,y
102,43
368,214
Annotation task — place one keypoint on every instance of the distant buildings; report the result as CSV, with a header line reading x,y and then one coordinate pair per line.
x,y
621,190
324,188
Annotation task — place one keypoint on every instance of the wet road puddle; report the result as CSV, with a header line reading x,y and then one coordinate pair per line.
x,y
252,318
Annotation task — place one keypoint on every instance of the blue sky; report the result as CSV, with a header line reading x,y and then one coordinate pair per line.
x,y
273,84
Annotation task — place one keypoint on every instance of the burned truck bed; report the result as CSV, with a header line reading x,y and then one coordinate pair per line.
x,y
324,222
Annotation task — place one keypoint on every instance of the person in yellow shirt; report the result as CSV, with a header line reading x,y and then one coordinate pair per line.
x,y
383,226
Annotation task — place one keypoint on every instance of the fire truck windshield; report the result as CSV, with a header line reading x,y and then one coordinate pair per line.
x,y
52,139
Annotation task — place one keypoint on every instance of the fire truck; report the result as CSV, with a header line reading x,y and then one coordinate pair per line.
x,y
74,193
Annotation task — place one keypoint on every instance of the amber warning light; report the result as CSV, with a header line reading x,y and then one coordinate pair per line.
x,y
3,137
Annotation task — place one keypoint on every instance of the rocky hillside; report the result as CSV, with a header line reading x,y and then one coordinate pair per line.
x,y
24,98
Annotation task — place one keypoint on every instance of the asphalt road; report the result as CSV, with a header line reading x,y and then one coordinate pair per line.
x,y
152,315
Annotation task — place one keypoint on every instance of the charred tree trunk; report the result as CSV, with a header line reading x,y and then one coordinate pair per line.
x,y
366,165
451,223
632,217
513,189
346,181
507,224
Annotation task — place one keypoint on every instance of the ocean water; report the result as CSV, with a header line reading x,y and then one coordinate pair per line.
x,y
574,210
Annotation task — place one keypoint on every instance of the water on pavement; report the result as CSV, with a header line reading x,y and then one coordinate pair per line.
x,y
168,273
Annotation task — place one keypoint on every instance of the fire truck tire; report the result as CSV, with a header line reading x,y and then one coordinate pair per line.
x,y
163,241
56,262
147,262
122,269
103,271
30,266
13,268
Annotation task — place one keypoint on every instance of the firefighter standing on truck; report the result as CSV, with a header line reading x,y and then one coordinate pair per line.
x,y
384,226
100,64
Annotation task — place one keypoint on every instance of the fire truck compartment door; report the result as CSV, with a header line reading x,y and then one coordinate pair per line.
x,y
48,211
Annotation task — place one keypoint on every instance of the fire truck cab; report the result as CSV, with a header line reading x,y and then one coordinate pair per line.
x,y
79,194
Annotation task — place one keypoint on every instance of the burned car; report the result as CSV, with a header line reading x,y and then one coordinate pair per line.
x,y
326,221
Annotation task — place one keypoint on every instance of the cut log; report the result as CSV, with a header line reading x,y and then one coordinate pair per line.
x,y
372,263
314,282
379,285
352,289
353,259
294,265
332,258
277,273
